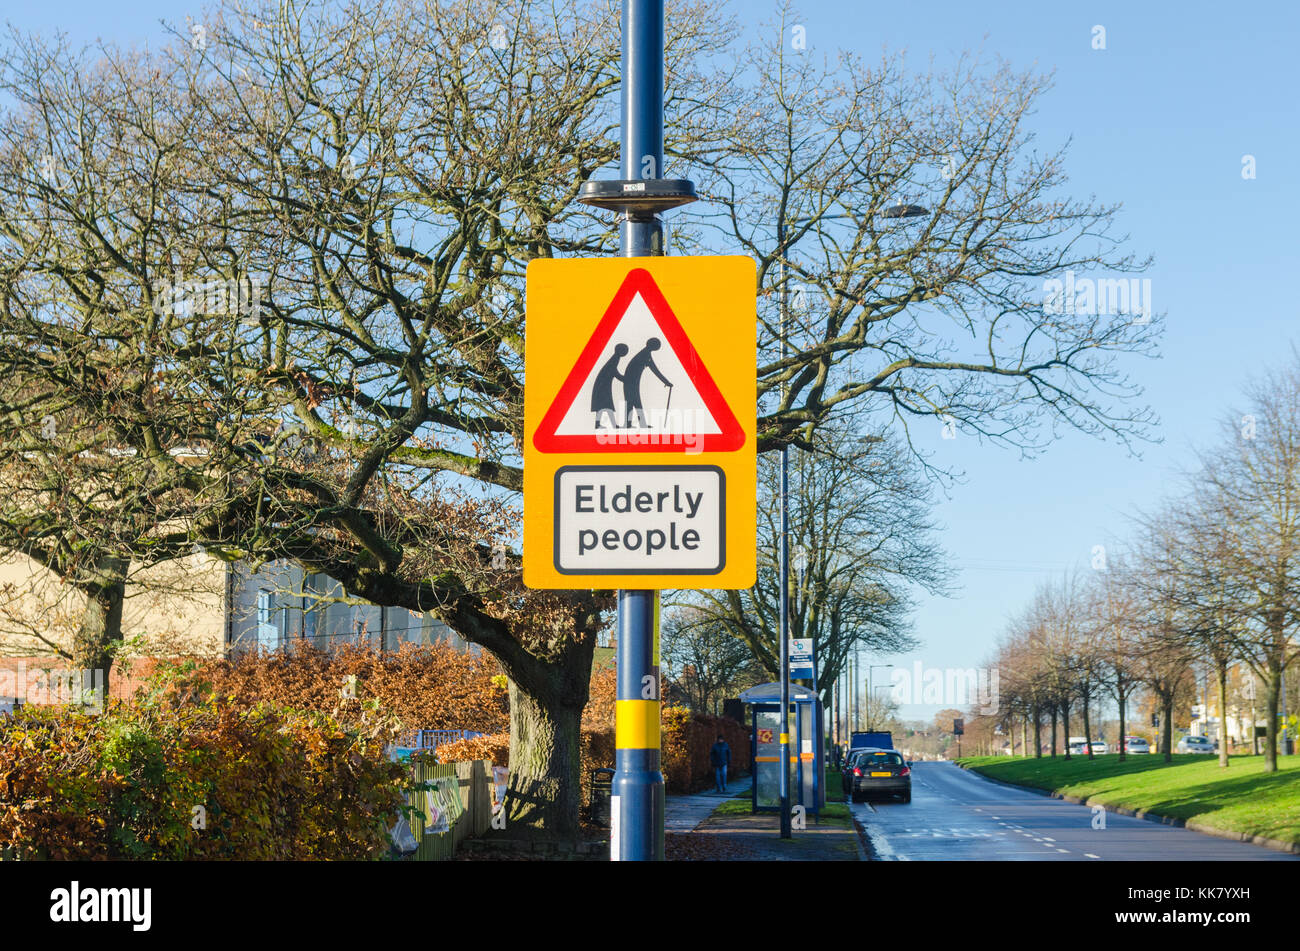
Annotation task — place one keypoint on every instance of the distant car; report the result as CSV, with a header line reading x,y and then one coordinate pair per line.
x,y
1136,744
850,761
1195,744
1079,748
1098,747
879,773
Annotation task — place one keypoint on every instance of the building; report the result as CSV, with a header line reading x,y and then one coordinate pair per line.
x,y
281,604
201,606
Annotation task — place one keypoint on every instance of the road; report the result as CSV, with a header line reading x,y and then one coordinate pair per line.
x,y
956,814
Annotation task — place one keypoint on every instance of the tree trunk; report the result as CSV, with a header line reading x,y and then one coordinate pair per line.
x,y
100,630
1055,714
544,795
1167,730
1254,722
1065,725
1038,732
1271,703
1087,725
1123,726
1223,714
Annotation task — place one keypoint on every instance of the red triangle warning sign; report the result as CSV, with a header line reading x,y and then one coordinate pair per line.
x,y
639,386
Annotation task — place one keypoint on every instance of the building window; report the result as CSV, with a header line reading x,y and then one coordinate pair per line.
x,y
268,635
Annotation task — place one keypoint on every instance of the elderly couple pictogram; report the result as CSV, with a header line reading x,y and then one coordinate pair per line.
x,y
602,391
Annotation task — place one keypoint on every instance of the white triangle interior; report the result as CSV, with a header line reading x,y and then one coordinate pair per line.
x,y
680,410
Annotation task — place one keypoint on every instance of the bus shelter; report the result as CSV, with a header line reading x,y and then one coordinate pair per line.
x,y
803,722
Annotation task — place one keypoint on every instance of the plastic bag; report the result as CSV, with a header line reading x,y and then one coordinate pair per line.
x,y
403,839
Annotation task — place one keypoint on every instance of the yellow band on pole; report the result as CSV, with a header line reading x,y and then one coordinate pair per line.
x,y
636,724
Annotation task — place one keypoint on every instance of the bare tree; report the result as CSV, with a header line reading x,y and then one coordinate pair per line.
x,y
881,711
1015,692
382,174
1115,626
702,658
114,402
951,314
387,170
860,534
1194,560
1023,671
1163,653
1248,552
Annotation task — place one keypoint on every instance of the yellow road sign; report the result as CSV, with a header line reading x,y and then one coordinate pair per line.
x,y
639,423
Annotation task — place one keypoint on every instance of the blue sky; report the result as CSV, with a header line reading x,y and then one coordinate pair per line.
x,y
1160,120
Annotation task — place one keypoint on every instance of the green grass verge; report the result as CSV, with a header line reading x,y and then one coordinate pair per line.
x,y
734,807
1242,798
834,813
834,785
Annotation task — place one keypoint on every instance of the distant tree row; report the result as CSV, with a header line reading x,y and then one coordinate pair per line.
x,y
1210,580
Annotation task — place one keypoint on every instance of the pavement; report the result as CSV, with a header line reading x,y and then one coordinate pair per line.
x,y
684,813
956,814
756,838
694,834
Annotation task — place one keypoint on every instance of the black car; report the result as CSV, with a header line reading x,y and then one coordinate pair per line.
x,y
846,769
851,761
878,773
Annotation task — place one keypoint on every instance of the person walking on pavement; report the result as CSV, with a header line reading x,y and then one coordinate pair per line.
x,y
602,388
643,360
720,759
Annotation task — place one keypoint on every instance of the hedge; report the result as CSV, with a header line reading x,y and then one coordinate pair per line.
x,y
434,687
166,776
685,741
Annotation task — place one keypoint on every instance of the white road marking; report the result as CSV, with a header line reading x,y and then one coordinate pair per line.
x,y
1091,856
880,844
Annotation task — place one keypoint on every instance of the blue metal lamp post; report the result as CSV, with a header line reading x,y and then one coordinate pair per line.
x,y
637,803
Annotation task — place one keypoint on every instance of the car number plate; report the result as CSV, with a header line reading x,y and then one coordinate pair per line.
x,y
874,775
